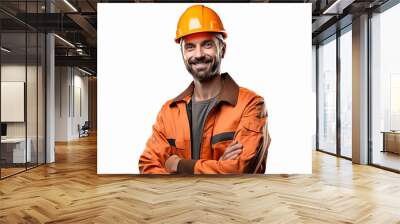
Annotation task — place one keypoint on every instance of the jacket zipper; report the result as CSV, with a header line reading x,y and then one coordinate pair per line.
x,y
189,115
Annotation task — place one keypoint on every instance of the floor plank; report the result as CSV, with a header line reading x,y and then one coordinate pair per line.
x,y
70,191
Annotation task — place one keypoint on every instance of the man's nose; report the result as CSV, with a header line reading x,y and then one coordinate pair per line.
x,y
199,52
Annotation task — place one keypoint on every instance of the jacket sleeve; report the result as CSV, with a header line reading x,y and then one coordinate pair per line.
x,y
157,149
249,133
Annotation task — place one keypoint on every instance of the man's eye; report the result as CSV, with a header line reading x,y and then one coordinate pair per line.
x,y
208,45
189,47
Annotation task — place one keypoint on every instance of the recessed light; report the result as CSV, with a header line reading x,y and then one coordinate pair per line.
x,y
5,50
84,71
70,5
64,40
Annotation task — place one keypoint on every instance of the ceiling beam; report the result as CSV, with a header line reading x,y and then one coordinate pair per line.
x,y
85,61
83,23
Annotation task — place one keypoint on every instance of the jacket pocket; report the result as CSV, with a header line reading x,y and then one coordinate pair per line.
x,y
177,146
252,127
220,142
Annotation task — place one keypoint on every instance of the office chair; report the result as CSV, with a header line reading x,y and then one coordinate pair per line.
x,y
84,130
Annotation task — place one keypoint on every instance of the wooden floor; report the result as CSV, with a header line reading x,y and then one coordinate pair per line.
x,y
70,191
8,171
387,159
5,172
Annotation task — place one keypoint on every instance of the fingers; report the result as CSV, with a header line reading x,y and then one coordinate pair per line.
x,y
232,151
233,154
171,164
233,143
233,147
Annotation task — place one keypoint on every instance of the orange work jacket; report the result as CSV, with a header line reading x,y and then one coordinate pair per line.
x,y
239,114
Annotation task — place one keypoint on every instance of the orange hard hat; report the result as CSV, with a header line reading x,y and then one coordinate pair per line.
x,y
196,19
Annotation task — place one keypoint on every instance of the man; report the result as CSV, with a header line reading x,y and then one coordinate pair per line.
x,y
214,126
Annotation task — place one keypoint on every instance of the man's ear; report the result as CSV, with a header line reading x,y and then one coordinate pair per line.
x,y
223,50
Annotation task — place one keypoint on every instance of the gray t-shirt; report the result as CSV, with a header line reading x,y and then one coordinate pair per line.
x,y
200,110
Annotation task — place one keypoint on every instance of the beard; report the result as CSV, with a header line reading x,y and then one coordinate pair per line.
x,y
204,68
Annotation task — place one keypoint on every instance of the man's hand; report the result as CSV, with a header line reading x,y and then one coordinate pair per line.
x,y
232,151
172,163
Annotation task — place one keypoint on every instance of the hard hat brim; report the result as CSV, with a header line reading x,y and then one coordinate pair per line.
x,y
177,39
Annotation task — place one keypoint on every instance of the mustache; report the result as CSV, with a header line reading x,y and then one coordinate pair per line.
x,y
204,59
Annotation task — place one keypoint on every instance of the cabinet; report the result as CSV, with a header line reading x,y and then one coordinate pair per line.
x,y
13,150
391,141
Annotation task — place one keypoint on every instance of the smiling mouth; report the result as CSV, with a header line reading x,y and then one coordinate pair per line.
x,y
200,65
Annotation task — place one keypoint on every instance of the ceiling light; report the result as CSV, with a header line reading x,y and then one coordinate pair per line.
x,y
64,40
338,6
5,50
70,5
84,71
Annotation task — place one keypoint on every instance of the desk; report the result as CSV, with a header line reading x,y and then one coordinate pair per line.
x,y
391,141
13,150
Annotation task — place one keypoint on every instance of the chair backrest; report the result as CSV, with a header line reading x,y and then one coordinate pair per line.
x,y
86,125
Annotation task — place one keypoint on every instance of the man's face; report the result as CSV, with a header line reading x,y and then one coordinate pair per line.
x,y
202,55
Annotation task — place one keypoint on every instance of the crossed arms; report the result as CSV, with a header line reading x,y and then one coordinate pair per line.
x,y
237,158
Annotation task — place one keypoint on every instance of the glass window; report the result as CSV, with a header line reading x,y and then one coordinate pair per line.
x,y
385,87
314,85
14,153
346,94
22,91
41,98
327,96
32,94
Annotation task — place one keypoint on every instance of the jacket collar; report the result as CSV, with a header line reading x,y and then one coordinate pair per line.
x,y
229,92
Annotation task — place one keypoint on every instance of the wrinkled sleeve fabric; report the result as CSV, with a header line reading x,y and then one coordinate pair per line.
x,y
249,133
157,149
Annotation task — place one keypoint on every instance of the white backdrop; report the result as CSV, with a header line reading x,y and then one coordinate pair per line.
x,y
140,67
